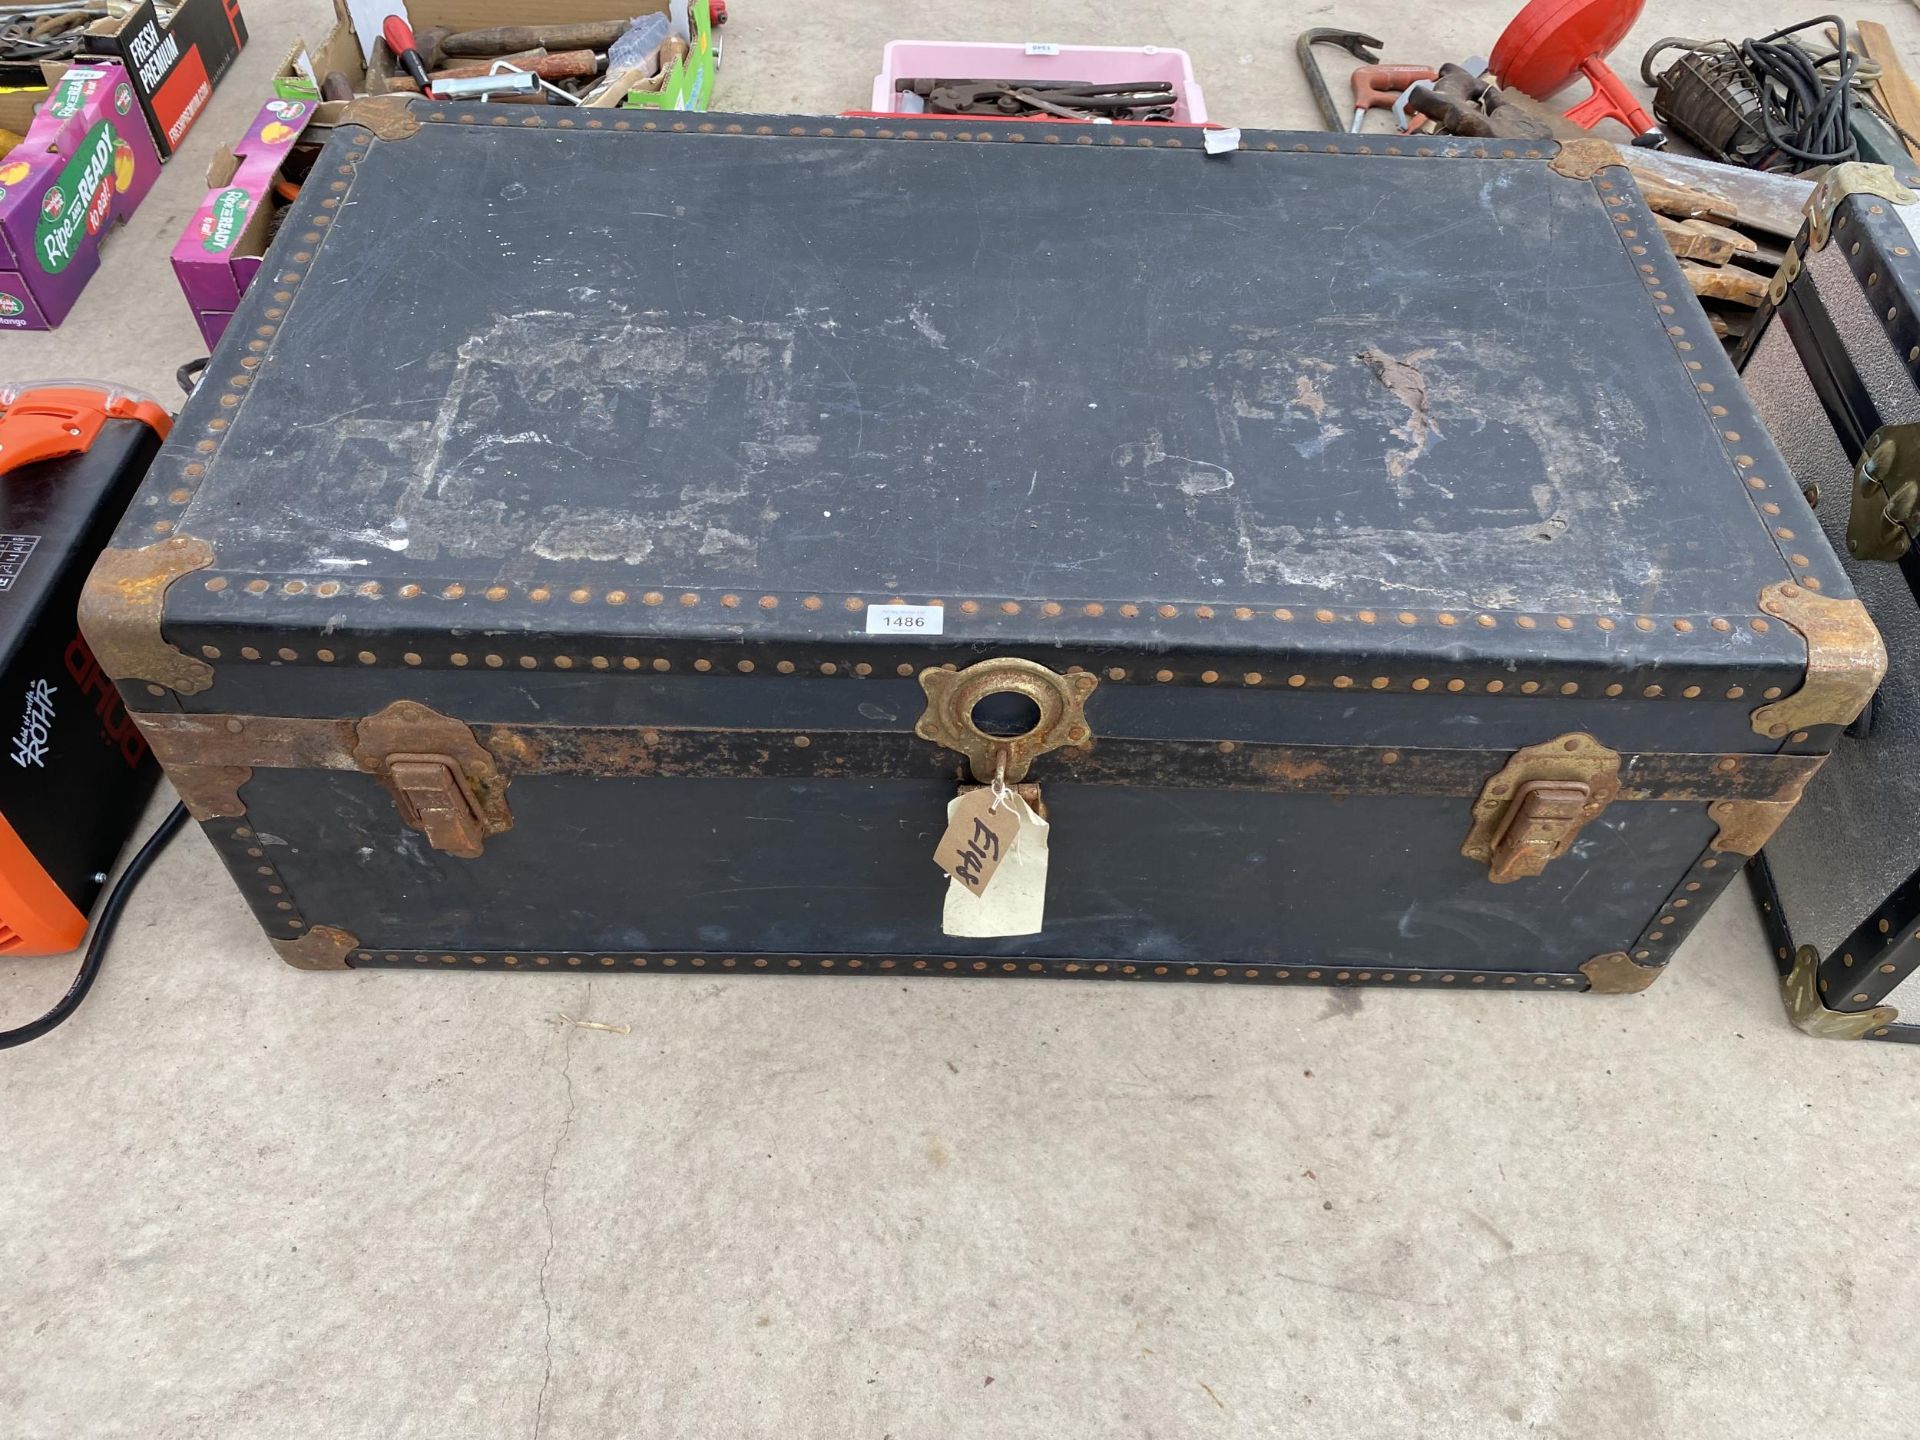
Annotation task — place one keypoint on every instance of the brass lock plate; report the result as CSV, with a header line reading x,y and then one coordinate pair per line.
x,y
1532,810
1001,713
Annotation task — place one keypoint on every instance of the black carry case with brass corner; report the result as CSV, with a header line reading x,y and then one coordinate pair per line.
x,y
1403,605
1832,367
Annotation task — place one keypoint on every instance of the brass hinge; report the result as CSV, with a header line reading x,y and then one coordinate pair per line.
x,y
1784,277
1885,516
1853,178
1530,812
1801,990
444,782
952,717
1845,660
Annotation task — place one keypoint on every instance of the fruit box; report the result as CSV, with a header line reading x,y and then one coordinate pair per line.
x,y
87,162
222,246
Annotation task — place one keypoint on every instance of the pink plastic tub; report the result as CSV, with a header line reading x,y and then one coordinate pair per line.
x,y
1089,64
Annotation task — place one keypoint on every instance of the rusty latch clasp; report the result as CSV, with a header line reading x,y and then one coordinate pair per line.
x,y
1533,809
1539,825
444,782
432,796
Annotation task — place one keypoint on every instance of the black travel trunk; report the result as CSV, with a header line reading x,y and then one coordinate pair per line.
x,y
1832,368
615,543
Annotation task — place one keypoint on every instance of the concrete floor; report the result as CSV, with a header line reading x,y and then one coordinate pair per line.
x,y
240,1200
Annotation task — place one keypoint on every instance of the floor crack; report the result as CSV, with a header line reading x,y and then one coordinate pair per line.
x,y
546,1207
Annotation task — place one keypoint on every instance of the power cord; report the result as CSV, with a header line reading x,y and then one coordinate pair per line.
x,y
103,927
1804,111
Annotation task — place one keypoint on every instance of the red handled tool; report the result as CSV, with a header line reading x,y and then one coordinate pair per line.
x,y
1552,43
406,51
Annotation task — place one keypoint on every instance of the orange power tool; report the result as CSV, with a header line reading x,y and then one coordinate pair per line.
x,y
1376,87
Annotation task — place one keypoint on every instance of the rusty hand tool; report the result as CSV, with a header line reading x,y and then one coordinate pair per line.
x,y
399,37
566,65
506,39
1363,48
1376,87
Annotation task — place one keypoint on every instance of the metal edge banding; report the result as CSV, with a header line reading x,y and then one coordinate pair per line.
x,y
208,415
272,742
1883,256
253,619
976,130
1752,458
249,860
1773,917
1878,955
565,961
1691,897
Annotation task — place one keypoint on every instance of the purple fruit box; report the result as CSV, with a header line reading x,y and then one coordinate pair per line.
x,y
217,256
86,164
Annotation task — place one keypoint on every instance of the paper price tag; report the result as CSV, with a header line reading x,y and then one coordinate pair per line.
x,y
979,835
1042,47
906,620
1018,902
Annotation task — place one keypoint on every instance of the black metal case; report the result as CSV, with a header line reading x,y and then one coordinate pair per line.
x,y
545,582
1832,369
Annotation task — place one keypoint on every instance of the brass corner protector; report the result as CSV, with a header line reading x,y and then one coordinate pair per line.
x,y
953,695
444,782
1801,991
1584,159
1845,660
122,606
389,117
1531,810
1855,177
211,792
1747,825
1618,973
324,947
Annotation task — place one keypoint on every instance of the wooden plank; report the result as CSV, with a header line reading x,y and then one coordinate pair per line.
x,y
1703,240
1682,201
1894,89
1771,204
1725,282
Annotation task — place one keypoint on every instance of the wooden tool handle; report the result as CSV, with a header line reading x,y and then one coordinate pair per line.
x,y
505,39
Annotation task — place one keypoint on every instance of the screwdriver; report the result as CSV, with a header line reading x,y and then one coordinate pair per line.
x,y
399,37
1376,87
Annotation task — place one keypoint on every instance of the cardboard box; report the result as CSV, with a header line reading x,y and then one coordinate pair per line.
x,y
689,85
171,68
87,163
216,257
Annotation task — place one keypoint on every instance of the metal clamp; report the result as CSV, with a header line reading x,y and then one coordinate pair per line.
x,y
1885,515
954,696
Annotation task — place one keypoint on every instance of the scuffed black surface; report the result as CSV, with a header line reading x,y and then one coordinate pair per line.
x,y
948,368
